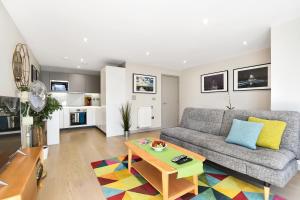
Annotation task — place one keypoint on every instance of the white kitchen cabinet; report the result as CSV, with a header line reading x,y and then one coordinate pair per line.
x,y
61,118
66,117
90,118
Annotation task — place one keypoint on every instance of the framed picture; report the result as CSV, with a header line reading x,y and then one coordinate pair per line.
x,y
34,73
214,82
257,77
144,84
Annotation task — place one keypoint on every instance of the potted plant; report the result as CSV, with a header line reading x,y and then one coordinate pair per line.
x,y
40,118
126,118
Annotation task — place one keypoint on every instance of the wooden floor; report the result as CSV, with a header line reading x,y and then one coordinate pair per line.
x,y
70,176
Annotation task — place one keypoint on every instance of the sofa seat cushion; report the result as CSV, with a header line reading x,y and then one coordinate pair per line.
x,y
191,136
266,157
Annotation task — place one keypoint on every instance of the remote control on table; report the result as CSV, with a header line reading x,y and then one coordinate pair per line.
x,y
177,158
184,160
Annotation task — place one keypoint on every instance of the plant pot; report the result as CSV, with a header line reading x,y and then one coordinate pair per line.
x,y
126,133
45,152
39,136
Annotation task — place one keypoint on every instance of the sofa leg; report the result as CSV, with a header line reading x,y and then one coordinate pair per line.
x,y
266,191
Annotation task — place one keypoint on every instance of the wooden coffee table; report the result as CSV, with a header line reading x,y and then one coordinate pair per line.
x,y
160,175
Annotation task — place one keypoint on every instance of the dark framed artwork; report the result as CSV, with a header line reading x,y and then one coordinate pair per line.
x,y
257,77
214,82
34,73
145,84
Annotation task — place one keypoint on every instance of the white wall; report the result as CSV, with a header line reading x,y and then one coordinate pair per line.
x,y
146,99
190,95
9,37
285,41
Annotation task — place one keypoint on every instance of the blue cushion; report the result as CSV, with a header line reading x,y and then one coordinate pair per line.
x,y
244,133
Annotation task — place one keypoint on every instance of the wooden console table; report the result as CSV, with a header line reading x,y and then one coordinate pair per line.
x,y
20,175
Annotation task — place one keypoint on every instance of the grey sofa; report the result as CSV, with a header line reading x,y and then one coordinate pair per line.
x,y
204,131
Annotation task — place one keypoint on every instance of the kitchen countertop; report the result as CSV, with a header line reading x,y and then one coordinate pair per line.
x,y
83,106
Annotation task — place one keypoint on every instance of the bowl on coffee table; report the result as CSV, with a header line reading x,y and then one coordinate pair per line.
x,y
158,145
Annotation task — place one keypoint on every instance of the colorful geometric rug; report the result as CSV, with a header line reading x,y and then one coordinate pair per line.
x,y
118,184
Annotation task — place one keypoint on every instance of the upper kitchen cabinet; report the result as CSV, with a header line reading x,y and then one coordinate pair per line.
x,y
45,78
77,83
81,83
92,84
59,76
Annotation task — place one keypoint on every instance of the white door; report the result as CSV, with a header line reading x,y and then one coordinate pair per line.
x,y
169,101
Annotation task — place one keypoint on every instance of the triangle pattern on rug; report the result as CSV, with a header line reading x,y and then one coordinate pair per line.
x,y
240,196
104,181
109,192
117,197
212,180
220,196
145,189
218,176
254,195
135,196
105,169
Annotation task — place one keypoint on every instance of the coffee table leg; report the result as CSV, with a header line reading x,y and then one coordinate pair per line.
x,y
129,160
195,181
165,185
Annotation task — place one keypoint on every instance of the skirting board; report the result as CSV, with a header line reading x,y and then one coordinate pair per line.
x,y
145,130
298,161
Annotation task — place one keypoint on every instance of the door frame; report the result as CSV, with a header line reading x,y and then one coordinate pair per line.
x,y
161,96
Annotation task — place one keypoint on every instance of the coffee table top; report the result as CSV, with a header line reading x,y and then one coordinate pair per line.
x,y
160,165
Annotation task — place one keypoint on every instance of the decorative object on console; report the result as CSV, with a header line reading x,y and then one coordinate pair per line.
x,y
214,82
144,84
257,77
21,67
126,118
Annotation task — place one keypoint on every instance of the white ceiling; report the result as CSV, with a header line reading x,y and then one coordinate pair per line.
x,y
171,30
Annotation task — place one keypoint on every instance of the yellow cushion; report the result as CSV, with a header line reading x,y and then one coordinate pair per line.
x,y
271,134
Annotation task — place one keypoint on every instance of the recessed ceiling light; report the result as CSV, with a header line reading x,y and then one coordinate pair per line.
x,y
78,66
66,58
245,43
85,39
147,53
205,21
184,62
81,60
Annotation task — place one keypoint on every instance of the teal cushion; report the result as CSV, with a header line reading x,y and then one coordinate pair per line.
x,y
244,133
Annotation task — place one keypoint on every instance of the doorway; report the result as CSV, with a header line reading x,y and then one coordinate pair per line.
x,y
169,101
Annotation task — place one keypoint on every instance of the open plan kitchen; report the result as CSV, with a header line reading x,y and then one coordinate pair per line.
x,y
79,94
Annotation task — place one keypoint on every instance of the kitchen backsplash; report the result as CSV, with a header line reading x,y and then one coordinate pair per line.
x,y
76,99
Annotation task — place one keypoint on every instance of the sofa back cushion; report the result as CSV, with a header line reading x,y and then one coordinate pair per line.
x,y
203,120
291,135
